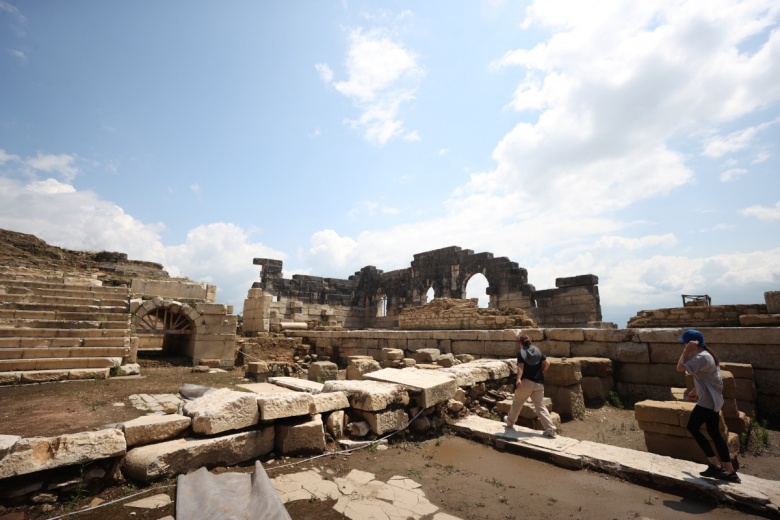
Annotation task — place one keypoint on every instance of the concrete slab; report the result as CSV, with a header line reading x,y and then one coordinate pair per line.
x,y
641,468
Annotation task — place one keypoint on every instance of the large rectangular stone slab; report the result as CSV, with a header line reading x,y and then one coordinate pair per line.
x,y
35,454
154,428
296,384
428,386
222,410
279,406
171,458
369,395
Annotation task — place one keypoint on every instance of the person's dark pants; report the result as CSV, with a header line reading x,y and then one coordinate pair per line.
x,y
711,419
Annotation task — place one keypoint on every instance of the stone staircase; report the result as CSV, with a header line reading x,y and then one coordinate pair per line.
x,y
57,326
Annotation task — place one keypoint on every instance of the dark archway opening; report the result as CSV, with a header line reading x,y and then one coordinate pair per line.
x,y
165,333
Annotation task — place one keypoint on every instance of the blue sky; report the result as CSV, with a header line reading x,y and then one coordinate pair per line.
x,y
634,140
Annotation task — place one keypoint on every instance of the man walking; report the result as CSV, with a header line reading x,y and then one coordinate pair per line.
x,y
531,366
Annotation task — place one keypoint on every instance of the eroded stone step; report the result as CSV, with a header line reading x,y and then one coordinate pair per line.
x,y
49,342
29,332
63,300
41,287
65,307
64,324
49,376
14,314
63,352
10,365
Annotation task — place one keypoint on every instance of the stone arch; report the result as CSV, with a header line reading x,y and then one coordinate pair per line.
x,y
167,325
477,281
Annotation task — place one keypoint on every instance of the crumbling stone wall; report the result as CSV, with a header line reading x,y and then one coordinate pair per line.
x,y
363,296
452,314
695,316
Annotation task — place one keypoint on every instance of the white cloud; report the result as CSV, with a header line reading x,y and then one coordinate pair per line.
x,y
382,75
16,53
62,164
762,212
371,208
220,254
195,188
325,72
330,253
6,157
732,174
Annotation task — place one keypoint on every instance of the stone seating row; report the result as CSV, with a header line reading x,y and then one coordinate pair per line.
x,y
57,326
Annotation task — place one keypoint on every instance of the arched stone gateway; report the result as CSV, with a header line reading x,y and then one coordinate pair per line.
x,y
204,332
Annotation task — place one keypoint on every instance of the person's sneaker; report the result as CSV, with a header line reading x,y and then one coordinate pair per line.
x,y
550,434
713,472
731,477
506,421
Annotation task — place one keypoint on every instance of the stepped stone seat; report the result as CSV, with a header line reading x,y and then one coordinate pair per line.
x,y
56,326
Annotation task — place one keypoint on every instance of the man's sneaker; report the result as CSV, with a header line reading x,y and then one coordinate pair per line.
x,y
506,421
731,477
713,472
551,434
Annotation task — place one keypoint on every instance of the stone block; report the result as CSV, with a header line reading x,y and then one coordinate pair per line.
x,y
772,299
595,367
386,421
563,372
7,443
327,402
300,437
594,349
596,389
555,348
427,387
357,368
738,370
426,355
33,454
633,353
649,374
369,395
568,401
282,405
684,448
767,382
638,392
335,424
391,354
745,390
222,410
171,458
565,334
154,428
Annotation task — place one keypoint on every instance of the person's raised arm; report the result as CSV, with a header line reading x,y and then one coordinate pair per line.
x,y
688,352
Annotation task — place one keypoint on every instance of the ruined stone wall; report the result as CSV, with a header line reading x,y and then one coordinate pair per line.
x,y
574,302
644,359
452,314
696,316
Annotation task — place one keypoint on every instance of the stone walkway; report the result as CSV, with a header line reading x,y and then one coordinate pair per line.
x,y
645,469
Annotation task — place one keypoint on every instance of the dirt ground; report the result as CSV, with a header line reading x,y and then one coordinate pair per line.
x,y
464,478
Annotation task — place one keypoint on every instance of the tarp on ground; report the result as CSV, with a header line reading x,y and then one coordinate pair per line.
x,y
231,496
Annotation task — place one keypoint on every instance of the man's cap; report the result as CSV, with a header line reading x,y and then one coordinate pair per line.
x,y
531,355
693,335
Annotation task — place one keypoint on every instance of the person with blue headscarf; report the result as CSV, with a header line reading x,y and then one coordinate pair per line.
x,y
703,364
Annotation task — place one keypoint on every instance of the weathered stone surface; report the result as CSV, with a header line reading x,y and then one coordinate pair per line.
x,y
357,368
335,424
568,401
633,352
7,443
739,370
154,428
646,374
595,367
596,389
563,372
152,502
426,355
684,448
222,410
300,437
296,384
168,459
369,395
322,371
279,406
772,299
386,421
391,354
467,374
428,387
40,453
326,402
496,368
